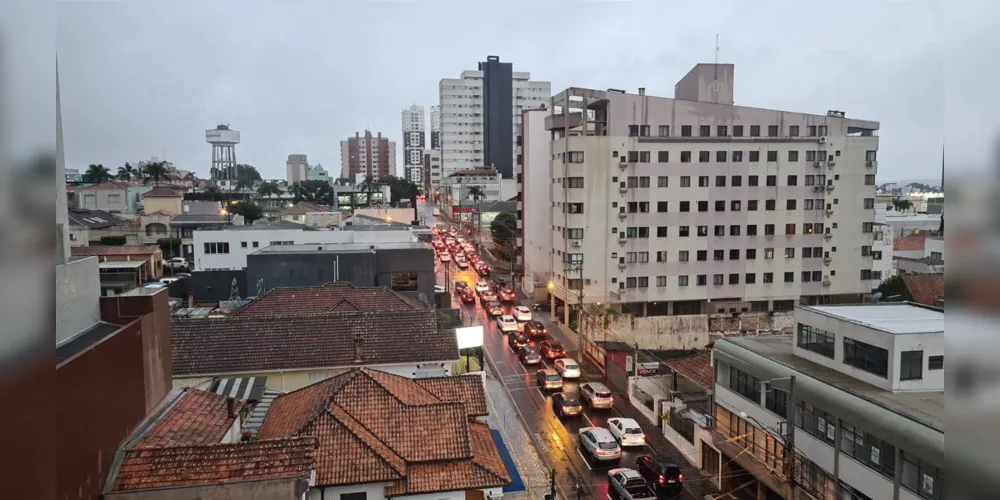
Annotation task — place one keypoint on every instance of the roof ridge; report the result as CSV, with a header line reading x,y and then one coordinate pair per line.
x,y
373,435
257,317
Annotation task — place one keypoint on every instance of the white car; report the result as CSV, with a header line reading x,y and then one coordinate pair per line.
x,y
482,286
627,431
445,257
522,313
567,368
507,323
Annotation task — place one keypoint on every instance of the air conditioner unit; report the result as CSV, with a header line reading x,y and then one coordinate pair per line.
x,y
827,259
831,163
623,190
577,243
622,239
869,164
622,215
828,235
829,187
623,165
622,265
829,212
817,164
822,140
826,281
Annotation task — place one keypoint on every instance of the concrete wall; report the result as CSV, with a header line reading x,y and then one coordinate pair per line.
x,y
78,289
685,332
536,199
373,491
404,215
282,489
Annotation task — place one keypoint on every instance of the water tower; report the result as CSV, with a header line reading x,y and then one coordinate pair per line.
x,y
223,141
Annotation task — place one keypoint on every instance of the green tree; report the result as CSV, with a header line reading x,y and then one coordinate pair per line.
x,y
504,228
893,287
268,190
342,181
400,189
96,173
315,191
901,205
168,245
190,176
127,172
247,173
113,240
249,210
155,171
476,193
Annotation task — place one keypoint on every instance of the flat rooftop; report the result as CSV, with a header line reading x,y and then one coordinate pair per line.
x,y
897,318
340,247
926,408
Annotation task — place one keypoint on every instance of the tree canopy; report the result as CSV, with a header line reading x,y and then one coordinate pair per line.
x,y
96,173
248,209
504,228
316,191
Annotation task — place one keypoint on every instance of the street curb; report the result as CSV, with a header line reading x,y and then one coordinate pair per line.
x,y
513,457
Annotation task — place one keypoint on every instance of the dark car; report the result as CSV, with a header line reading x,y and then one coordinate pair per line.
x,y
551,349
460,286
468,296
535,331
566,405
665,476
529,355
542,306
498,284
517,340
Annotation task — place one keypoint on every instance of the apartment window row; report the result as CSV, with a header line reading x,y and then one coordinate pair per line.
x,y
737,205
732,131
736,180
816,340
212,248
815,422
867,357
813,479
776,401
733,279
243,244
720,229
734,253
871,451
760,444
744,384
922,478
723,156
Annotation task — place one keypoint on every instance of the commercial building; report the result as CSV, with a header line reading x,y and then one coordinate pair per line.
x,y
297,168
858,394
693,205
368,155
480,114
534,197
457,193
414,141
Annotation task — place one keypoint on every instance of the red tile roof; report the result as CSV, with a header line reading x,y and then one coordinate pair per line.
x,y
467,388
925,288
374,426
305,207
910,243
255,344
181,466
115,250
198,418
697,368
161,192
330,297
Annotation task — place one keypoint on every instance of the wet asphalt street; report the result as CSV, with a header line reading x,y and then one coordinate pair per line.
x,y
556,438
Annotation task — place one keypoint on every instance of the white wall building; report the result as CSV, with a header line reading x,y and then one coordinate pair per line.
x,y
432,172
435,128
297,168
463,114
414,141
882,263
859,389
535,202
226,248
693,205
454,191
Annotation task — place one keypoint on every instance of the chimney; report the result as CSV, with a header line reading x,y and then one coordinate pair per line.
x,y
231,407
190,300
642,90
357,348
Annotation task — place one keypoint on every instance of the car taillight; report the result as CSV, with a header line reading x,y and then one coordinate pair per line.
x,y
680,478
644,437
662,479
612,400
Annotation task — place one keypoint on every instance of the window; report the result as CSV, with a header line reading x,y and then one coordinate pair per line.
x,y
751,205
870,179
573,208
243,244
662,181
663,156
685,206
867,227
682,256
790,228
702,181
702,231
790,253
404,282
664,130
768,253
736,156
816,422
574,233
772,156
685,130
720,156
744,384
736,181
703,206
751,229
768,278
789,277
661,281
753,180
256,244
734,253
776,400
720,181
682,281
661,232
633,131
661,256
705,130
863,356
684,231
685,181
793,131
870,155
701,280
661,206
354,496
720,205
574,182
722,131
718,255
771,180
868,449
935,362
768,229
704,156
789,204
754,130
685,157
793,180
911,365
754,157
769,204
702,255
751,254
819,341
811,130
212,248
737,130
574,157
734,230
922,478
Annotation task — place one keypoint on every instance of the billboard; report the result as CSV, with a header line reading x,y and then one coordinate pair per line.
x,y
222,136
470,336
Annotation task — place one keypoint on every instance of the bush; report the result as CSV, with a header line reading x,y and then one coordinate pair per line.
x,y
113,240
167,246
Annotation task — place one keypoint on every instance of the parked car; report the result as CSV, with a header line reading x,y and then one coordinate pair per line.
x,y
551,349
664,475
522,313
599,445
494,309
628,484
535,331
542,306
548,379
529,355
596,394
176,264
517,340
507,323
567,368
566,405
627,432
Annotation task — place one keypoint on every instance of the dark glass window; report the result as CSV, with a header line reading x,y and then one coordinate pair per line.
x,y
872,359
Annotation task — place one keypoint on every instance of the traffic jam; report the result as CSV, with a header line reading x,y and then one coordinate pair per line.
x,y
607,446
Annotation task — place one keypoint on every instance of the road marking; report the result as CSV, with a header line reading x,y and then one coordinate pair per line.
x,y
590,423
585,460
540,393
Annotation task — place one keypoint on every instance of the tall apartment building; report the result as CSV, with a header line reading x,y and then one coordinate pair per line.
x,y
367,154
534,195
435,127
414,137
480,116
432,173
693,205
297,168
851,406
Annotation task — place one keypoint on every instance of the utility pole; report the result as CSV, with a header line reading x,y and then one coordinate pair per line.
x,y
789,436
551,495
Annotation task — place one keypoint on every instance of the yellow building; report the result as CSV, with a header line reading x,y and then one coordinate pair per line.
x,y
162,199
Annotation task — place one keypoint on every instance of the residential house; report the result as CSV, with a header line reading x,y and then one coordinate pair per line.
x,y
86,226
385,436
198,215
926,289
162,199
111,196
298,337
391,215
192,447
311,214
148,259
920,253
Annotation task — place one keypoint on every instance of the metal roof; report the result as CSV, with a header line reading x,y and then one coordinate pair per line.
x,y
135,264
899,318
245,389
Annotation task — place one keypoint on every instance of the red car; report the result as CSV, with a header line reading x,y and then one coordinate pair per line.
x,y
483,269
468,296
551,349
507,295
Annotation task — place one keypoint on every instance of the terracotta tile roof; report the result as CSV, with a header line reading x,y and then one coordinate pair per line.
x,y
161,192
910,243
254,344
115,250
374,426
466,388
198,418
697,368
925,288
181,466
110,184
305,207
343,297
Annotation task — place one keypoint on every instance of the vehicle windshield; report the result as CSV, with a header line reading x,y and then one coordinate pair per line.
x,y
570,402
555,346
571,366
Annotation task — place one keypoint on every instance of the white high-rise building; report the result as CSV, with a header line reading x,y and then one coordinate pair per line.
x,y
435,127
414,137
480,116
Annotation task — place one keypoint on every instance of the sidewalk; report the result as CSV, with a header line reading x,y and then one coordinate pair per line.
x,y
504,417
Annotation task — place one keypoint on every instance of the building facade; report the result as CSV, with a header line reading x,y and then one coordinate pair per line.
x,y
480,116
297,168
432,173
534,199
414,137
456,191
692,205
850,406
368,155
435,127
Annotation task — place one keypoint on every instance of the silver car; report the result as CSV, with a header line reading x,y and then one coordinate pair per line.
x,y
597,395
599,445
549,379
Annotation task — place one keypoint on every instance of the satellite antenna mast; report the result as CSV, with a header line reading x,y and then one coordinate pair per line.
x,y
716,54
234,291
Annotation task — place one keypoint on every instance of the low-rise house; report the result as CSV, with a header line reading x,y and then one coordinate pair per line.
x,y
925,289
199,215
385,436
192,447
111,196
276,338
150,257
162,199
686,416
88,226
312,215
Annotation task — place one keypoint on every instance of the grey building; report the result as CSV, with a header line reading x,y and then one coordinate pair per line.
x,y
407,268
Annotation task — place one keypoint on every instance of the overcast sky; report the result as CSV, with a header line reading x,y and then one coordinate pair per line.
x,y
142,79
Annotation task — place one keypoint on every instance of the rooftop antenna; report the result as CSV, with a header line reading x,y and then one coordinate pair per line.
x,y
716,54
234,291
260,287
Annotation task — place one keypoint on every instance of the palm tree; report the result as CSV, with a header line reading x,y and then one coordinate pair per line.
x,y
97,173
155,171
190,176
268,189
127,172
476,192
